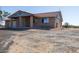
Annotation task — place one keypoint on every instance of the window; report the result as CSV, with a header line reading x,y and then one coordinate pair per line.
x,y
45,20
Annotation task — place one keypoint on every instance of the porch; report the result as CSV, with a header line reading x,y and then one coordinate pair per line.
x,y
20,22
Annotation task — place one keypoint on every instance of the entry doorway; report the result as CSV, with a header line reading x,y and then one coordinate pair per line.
x,y
14,24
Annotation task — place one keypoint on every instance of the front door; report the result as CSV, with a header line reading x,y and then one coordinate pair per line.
x,y
14,24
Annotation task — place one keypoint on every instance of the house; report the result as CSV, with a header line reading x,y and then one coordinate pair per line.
x,y
22,19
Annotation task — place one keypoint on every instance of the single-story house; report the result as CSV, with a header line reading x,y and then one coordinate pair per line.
x,y
22,19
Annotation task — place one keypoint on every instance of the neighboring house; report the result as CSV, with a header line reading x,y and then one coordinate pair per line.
x,y
22,19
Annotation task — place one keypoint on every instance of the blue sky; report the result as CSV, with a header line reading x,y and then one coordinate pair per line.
x,y
70,13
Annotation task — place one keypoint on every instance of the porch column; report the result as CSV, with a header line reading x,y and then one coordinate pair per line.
x,y
20,21
31,21
10,23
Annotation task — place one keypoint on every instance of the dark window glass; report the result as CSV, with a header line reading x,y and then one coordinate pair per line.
x,y
45,20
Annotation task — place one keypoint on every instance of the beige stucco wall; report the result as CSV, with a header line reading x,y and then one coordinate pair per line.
x,y
52,22
59,23
26,21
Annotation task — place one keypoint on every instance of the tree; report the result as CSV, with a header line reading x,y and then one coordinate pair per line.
x,y
66,25
0,12
3,15
0,15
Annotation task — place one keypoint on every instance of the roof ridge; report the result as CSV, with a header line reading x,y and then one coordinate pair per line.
x,y
49,12
23,11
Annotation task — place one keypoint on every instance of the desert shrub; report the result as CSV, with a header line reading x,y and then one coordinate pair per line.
x,y
66,25
70,26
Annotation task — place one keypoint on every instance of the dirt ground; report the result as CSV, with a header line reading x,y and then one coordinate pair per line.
x,y
41,41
